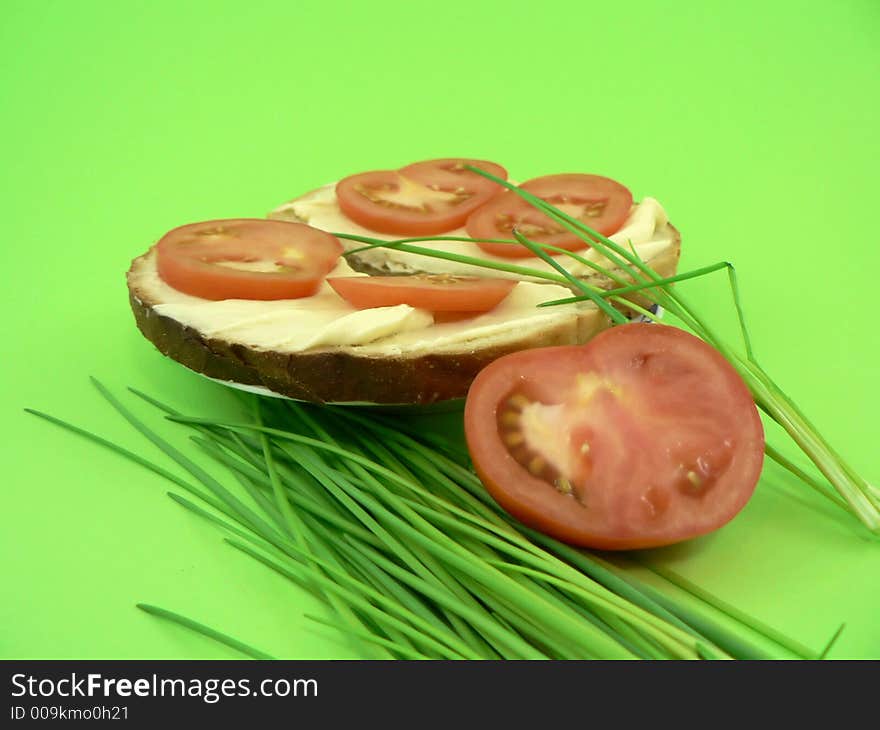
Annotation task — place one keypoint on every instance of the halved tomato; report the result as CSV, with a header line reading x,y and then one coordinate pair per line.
x,y
437,293
246,258
599,202
645,436
421,199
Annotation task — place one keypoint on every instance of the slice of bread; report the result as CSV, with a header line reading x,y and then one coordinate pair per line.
x,y
322,350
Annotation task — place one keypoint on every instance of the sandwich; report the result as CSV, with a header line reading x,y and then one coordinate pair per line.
x,y
311,304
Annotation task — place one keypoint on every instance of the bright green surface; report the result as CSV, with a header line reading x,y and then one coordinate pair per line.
x,y
755,124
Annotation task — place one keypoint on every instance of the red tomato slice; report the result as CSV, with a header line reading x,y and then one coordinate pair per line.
x,y
599,202
244,258
450,174
442,293
645,436
421,199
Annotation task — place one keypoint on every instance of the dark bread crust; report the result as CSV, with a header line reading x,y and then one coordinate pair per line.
x,y
334,375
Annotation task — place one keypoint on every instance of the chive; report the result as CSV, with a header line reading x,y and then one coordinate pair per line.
x,y
303,501
589,291
247,484
195,491
511,646
204,630
356,552
405,652
780,459
727,609
120,450
461,258
321,549
292,522
218,489
254,522
422,563
428,561
356,594
204,514
381,243
599,620
677,648
628,289
831,642
624,633
503,266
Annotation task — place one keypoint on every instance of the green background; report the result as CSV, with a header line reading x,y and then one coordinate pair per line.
x,y
755,123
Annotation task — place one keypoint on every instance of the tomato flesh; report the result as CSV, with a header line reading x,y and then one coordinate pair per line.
x,y
421,199
450,174
246,258
645,436
443,293
599,202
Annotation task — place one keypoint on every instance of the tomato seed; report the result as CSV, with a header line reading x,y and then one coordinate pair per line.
x,y
536,465
510,418
518,401
514,438
564,485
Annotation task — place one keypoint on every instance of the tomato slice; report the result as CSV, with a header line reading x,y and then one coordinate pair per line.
x,y
245,258
645,436
421,199
437,293
599,202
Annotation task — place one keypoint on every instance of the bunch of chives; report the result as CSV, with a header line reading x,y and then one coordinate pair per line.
x,y
396,535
